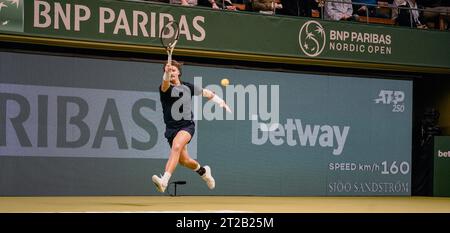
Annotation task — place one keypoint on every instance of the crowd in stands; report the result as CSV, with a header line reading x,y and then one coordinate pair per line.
x,y
429,13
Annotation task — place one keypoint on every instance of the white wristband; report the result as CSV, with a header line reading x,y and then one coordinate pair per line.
x,y
166,76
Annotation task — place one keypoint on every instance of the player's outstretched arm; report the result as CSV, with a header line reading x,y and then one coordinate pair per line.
x,y
216,99
166,78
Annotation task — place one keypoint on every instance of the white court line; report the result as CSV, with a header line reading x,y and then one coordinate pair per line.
x,y
183,211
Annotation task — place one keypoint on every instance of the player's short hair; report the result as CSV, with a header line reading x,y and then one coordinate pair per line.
x,y
176,64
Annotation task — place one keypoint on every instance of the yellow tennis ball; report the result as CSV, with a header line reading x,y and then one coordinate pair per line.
x,y
224,82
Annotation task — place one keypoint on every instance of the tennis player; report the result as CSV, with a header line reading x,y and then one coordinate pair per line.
x,y
176,100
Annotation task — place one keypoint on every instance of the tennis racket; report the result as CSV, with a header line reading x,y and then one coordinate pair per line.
x,y
169,38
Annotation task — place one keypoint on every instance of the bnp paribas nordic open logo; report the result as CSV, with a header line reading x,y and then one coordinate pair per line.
x,y
11,15
312,38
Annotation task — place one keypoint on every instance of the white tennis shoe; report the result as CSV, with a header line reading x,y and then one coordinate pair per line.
x,y
207,177
160,186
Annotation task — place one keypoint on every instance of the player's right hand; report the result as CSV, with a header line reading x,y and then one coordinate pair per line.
x,y
168,68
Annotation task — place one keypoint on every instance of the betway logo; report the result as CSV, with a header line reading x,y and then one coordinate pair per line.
x,y
445,154
332,136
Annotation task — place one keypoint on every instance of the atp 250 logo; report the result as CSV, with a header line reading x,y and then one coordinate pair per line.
x,y
11,15
312,38
396,98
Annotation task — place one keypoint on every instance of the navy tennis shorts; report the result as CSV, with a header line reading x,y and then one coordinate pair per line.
x,y
172,132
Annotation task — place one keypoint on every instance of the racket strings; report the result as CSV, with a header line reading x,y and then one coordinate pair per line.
x,y
169,35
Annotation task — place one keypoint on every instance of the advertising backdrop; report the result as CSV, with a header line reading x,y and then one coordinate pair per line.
x,y
121,24
86,126
441,169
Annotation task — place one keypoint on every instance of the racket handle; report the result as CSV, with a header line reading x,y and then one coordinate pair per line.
x,y
169,59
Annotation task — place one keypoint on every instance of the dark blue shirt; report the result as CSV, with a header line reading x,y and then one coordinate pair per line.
x,y
180,99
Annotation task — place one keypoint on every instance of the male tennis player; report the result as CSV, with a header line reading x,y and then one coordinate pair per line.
x,y
176,100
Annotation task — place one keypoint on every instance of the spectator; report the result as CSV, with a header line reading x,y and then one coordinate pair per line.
x,y
160,1
342,10
218,4
437,13
363,8
298,7
266,6
407,17
184,2
383,10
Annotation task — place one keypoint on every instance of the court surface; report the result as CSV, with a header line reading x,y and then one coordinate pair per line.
x,y
223,204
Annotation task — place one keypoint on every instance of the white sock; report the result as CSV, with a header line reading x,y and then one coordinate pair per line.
x,y
198,167
165,178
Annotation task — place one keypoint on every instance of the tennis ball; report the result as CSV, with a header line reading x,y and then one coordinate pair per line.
x,y
224,82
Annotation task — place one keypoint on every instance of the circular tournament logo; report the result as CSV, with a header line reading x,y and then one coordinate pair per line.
x,y
312,38
11,15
